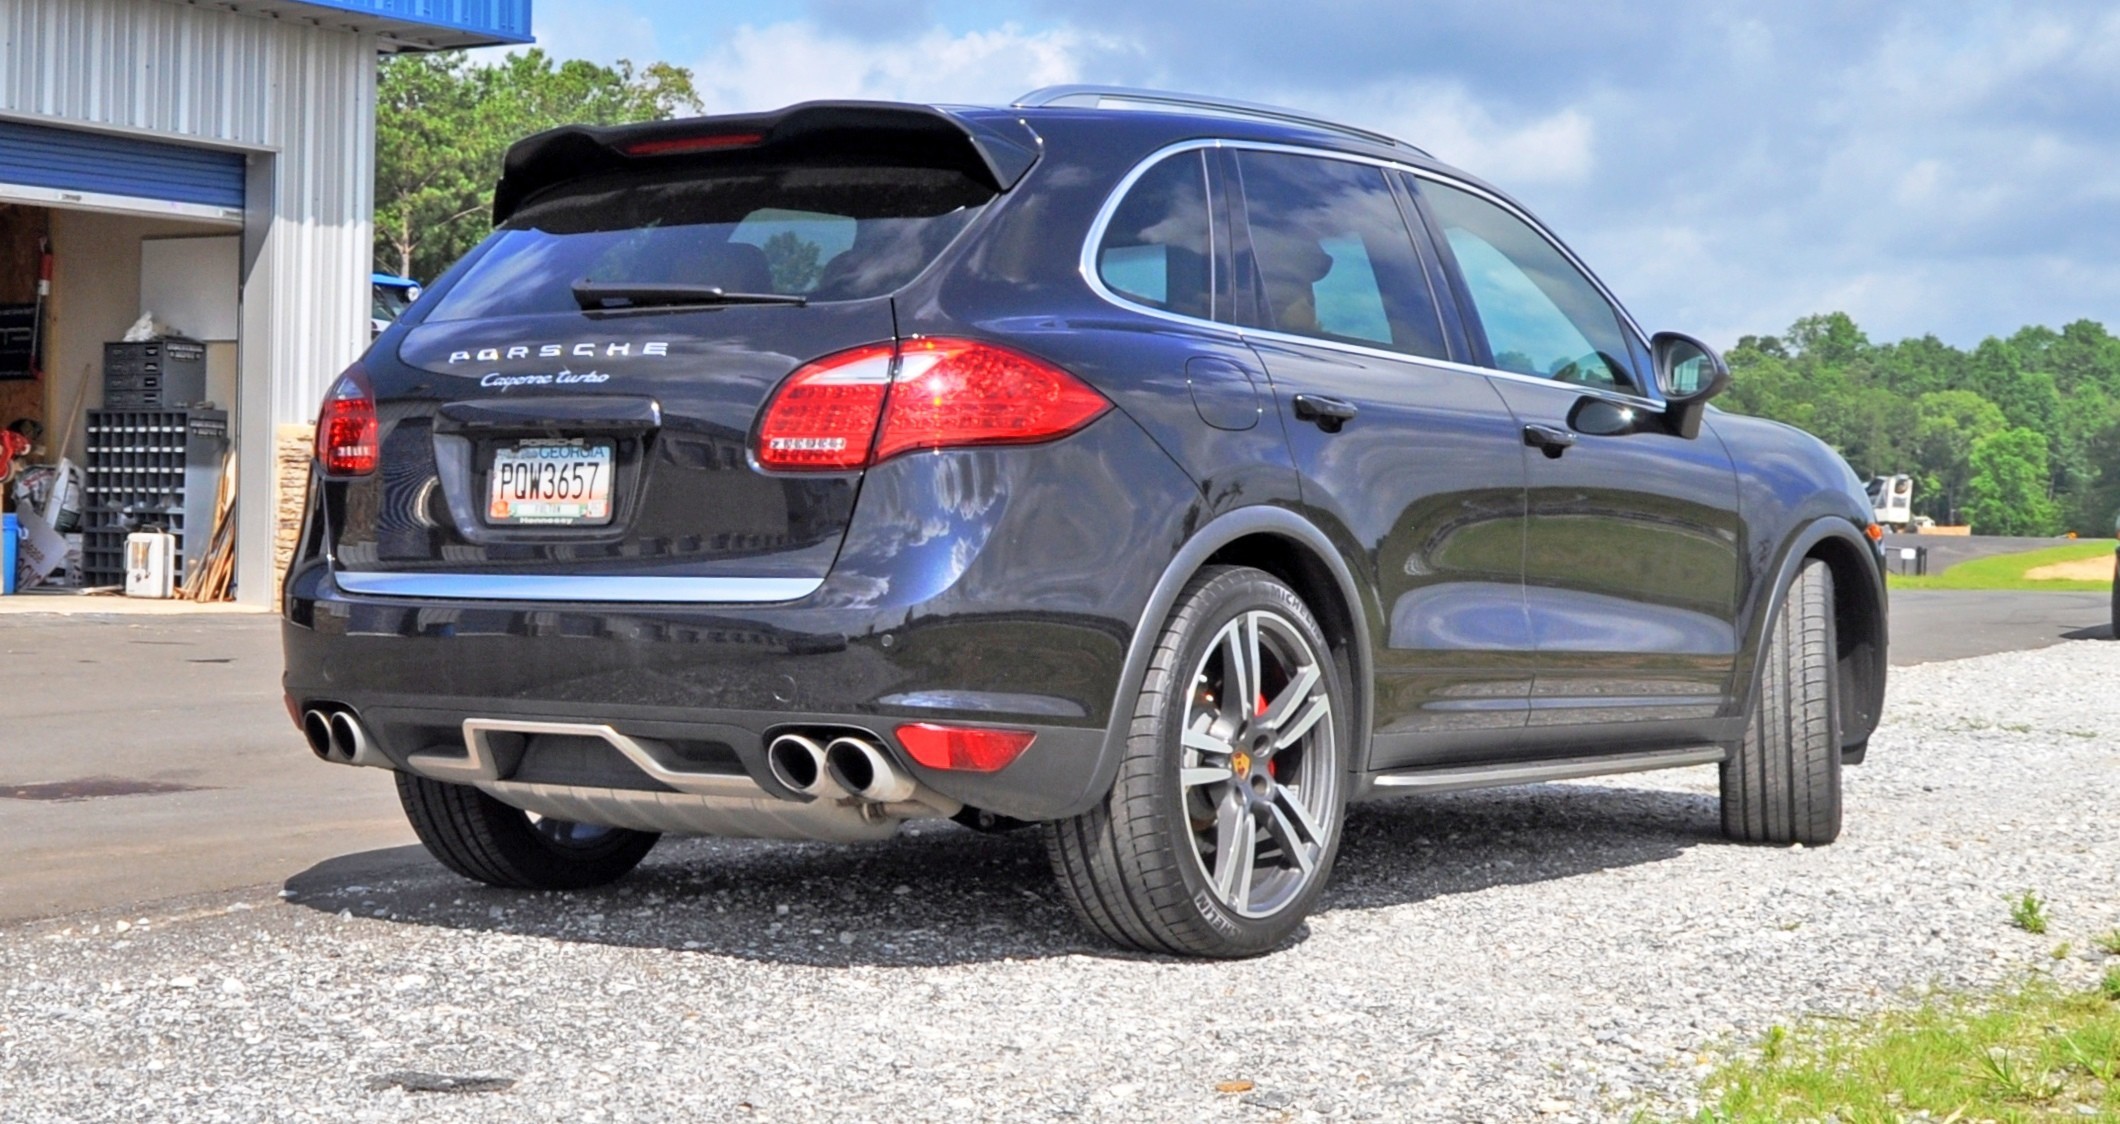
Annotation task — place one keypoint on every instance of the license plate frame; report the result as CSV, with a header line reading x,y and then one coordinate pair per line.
x,y
534,482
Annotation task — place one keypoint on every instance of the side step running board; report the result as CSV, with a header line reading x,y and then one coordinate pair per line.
x,y
1451,778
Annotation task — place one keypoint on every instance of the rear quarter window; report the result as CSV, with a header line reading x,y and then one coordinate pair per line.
x,y
1157,247
825,232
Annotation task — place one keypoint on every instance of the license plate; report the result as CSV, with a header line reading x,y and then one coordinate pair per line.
x,y
557,483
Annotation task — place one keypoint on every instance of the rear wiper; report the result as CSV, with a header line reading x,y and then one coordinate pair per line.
x,y
596,296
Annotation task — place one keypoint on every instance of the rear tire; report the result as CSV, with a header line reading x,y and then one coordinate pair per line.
x,y
487,841
1782,784
1221,828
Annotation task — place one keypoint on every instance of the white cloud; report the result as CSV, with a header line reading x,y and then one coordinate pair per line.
x,y
765,67
1726,167
1558,148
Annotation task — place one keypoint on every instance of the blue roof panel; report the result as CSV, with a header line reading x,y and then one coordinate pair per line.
x,y
461,21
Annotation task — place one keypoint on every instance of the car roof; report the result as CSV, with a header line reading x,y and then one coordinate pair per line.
x,y
998,143
1181,125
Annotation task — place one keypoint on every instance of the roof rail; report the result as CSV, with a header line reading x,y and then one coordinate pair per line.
x,y
1096,96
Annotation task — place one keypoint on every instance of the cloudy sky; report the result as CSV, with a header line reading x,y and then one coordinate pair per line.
x,y
1928,167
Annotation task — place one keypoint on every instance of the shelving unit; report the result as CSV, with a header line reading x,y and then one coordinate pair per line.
x,y
149,469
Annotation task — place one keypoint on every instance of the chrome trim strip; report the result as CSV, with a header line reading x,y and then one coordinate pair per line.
x,y
1088,267
1460,777
642,752
576,587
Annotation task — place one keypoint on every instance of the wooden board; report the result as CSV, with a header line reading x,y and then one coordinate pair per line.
x,y
21,230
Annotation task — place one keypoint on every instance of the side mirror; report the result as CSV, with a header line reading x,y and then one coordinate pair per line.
x,y
1689,373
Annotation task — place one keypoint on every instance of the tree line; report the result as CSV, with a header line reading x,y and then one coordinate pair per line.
x,y
444,122
2018,436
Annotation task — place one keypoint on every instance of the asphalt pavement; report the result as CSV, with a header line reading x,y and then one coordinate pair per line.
x,y
1946,551
1949,624
150,758
179,720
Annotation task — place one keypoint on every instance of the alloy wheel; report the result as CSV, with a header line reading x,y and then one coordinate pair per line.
x,y
1259,772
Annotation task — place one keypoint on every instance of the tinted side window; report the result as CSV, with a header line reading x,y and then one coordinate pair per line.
x,y
1157,249
1542,316
1333,255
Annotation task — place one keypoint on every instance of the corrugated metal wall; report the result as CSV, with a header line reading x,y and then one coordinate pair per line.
x,y
301,99
229,78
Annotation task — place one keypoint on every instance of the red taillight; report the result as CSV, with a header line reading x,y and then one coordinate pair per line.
x,y
346,435
966,749
824,417
960,392
671,146
942,393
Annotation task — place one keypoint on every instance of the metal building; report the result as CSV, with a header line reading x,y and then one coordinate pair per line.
x,y
215,157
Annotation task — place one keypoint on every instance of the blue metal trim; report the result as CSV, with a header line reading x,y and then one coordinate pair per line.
x,y
575,587
500,21
75,160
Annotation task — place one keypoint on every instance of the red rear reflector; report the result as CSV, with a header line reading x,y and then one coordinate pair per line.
x,y
824,417
961,392
346,431
963,748
668,146
927,394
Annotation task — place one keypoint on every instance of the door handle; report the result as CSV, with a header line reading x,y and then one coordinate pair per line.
x,y
1329,413
1548,439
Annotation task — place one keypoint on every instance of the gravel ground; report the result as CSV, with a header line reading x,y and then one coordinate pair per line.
x,y
1575,951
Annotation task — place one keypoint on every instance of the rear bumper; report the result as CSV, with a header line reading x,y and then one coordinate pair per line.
x,y
997,587
717,689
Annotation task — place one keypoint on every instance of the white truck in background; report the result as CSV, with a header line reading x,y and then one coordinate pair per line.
x,y
1893,499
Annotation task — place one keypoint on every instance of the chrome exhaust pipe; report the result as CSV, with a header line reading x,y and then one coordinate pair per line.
x,y
797,762
349,743
316,729
864,769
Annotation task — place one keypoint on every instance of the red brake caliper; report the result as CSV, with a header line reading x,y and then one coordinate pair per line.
x,y
1273,767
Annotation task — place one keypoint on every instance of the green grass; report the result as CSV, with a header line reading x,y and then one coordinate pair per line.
x,y
2006,571
2028,913
2027,1056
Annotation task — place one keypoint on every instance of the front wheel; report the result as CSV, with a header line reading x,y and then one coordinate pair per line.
x,y
1221,829
485,840
1782,784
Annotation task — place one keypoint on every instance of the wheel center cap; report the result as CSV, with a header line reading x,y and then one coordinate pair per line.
x,y
1240,763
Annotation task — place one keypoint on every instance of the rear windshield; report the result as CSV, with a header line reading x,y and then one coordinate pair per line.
x,y
827,233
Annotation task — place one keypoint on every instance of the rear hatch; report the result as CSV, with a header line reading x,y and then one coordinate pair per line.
x,y
580,396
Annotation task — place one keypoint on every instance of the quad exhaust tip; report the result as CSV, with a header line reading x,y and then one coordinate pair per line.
x,y
348,741
862,767
335,735
316,728
797,762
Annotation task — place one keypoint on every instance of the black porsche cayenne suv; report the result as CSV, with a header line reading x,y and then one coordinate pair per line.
x,y
1163,471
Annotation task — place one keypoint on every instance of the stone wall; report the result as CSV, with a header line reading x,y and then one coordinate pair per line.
x,y
293,446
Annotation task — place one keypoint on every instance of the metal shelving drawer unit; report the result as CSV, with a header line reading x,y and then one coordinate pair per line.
x,y
154,374
149,469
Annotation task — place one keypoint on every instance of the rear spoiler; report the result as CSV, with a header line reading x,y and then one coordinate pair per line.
x,y
995,151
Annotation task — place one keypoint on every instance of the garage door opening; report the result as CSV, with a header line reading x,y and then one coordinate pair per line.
x,y
132,437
